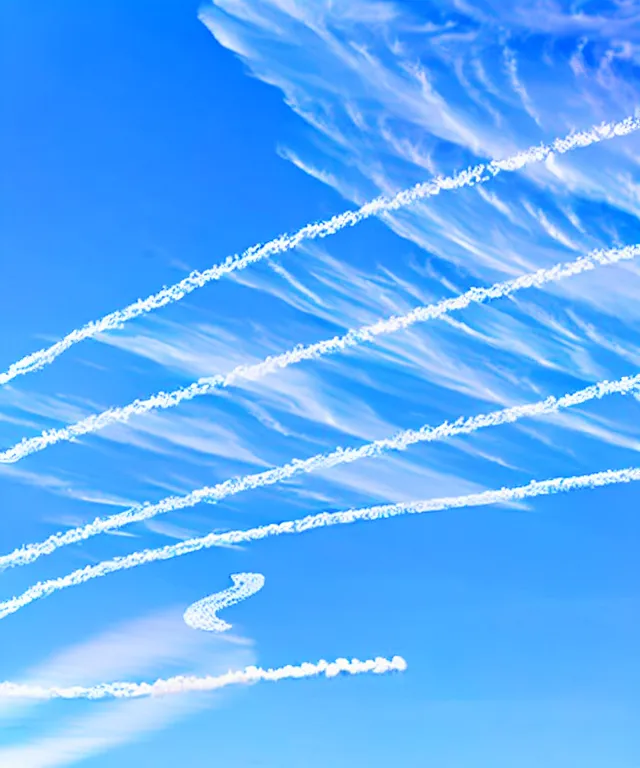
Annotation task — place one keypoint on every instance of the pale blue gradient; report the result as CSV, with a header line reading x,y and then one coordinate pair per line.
x,y
141,140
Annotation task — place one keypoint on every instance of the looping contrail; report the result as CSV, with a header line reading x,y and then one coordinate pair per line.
x,y
183,683
320,349
312,522
477,174
202,615
462,426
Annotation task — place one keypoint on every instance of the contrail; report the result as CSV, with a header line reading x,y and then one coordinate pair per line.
x,y
477,174
202,615
319,349
312,522
402,440
183,684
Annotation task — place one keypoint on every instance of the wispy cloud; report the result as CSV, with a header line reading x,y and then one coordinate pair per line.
x,y
66,487
469,177
323,461
144,645
313,522
331,78
351,339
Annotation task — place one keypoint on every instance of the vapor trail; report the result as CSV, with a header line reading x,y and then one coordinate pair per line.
x,y
477,174
320,349
312,522
182,683
202,615
399,442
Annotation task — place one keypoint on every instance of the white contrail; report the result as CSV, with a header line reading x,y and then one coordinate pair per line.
x,y
202,615
311,522
30,552
320,349
473,175
183,683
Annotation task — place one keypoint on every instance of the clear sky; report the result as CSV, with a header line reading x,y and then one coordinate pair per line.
x,y
141,140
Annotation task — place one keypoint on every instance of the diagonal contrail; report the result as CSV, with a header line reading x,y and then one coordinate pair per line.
x,y
311,522
184,683
477,174
319,349
462,426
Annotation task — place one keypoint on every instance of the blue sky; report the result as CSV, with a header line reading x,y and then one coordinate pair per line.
x,y
143,140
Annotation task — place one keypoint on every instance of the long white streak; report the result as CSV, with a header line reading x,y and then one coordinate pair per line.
x,y
202,615
183,683
477,174
352,338
399,442
312,522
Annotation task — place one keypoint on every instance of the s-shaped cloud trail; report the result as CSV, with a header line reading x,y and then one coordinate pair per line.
x,y
202,615
352,338
312,522
183,683
477,174
462,426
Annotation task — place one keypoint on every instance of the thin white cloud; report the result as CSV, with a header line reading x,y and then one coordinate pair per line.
x,y
302,525
379,206
311,352
66,487
29,553
183,684
142,646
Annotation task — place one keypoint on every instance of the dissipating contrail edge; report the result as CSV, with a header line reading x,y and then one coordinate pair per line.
x,y
318,350
185,683
28,553
313,522
477,174
31,552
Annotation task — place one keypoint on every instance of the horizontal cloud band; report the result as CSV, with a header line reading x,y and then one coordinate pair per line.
x,y
183,684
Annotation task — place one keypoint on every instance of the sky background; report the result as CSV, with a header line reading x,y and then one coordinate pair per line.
x,y
140,140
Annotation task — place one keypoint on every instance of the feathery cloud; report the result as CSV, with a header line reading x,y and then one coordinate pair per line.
x,y
300,353
477,174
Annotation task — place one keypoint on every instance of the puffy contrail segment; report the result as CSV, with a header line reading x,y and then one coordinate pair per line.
x,y
183,684
477,174
313,522
202,615
298,354
462,426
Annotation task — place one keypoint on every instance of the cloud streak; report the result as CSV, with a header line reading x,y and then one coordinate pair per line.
x,y
184,684
352,338
313,522
131,650
477,174
399,442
